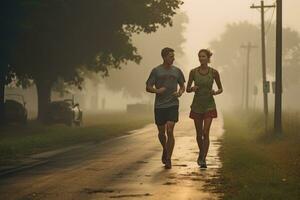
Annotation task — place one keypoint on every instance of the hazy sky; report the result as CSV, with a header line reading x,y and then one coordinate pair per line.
x,y
207,20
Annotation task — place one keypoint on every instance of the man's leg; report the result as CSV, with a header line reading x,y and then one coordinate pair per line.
x,y
199,130
163,139
170,142
206,129
160,122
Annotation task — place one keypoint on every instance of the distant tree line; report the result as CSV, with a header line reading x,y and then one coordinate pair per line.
x,y
231,58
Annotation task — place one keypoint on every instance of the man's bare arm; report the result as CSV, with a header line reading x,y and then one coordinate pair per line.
x,y
182,89
151,89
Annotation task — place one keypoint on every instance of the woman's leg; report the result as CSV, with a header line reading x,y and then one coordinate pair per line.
x,y
206,129
199,137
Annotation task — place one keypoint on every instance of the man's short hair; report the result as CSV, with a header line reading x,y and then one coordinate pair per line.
x,y
165,51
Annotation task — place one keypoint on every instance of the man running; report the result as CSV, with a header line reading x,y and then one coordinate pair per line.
x,y
163,81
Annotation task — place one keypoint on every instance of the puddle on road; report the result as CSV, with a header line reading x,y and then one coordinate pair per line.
x,y
169,183
131,195
142,162
95,191
178,165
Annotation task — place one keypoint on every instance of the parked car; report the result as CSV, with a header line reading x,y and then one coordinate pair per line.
x,y
15,109
65,111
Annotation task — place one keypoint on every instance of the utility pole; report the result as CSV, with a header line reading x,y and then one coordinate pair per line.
x,y
278,81
248,47
263,52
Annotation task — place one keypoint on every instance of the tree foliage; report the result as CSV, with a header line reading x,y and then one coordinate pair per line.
x,y
131,79
62,36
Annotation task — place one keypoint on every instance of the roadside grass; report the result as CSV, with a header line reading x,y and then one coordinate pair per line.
x,y
258,165
17,141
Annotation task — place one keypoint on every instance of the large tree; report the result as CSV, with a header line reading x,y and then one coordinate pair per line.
x,y
11,25
64,35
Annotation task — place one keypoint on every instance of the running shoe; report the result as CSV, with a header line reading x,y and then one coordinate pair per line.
x,y
203,164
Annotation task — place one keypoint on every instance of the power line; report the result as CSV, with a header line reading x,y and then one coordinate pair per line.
x,y
270,21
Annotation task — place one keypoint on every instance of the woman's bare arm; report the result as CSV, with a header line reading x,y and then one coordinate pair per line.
x,y
218,82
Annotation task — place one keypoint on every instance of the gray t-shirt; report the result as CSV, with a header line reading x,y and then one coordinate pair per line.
x,y
169,78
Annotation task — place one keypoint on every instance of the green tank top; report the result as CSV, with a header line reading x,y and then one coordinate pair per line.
x,y
203,99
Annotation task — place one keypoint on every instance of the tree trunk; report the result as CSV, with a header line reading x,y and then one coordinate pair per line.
x,y
2,90
44,98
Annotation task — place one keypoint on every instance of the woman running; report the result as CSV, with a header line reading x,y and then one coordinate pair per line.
x,y
203,108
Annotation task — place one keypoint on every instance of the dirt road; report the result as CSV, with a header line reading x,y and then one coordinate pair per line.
x,y
128,167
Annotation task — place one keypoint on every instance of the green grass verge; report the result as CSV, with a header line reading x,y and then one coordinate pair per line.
x,y
16,142
257,165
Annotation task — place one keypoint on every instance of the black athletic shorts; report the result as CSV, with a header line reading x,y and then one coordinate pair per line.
x,y
162,115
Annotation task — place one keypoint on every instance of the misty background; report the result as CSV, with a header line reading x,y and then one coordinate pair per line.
x,y
222,26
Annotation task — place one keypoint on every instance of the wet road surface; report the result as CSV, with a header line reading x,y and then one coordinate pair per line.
x,y
128,167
